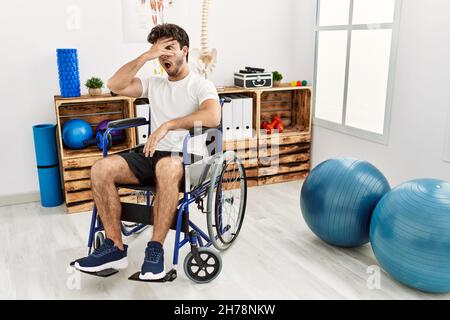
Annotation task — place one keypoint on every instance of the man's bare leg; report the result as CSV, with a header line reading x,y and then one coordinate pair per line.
x,y
105,174
169,173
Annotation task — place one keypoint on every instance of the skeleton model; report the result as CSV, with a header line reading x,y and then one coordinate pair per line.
x,y
204,60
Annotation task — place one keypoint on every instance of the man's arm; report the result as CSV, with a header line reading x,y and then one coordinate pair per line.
x,y
209,115
124,81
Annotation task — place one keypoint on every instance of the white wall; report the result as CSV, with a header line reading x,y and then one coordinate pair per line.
x,y
304,17
420,106
250,32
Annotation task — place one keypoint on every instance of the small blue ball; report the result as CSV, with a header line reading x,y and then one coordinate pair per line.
x,y
75,133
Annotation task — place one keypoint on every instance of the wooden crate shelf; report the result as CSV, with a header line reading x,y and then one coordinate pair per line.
x,y
283,169
76,164
247,151
94,111
93,151
241,144
287,137
86,195
281,157
282,178
88,205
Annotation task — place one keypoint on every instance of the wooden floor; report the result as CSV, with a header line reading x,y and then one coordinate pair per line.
x,y
275,257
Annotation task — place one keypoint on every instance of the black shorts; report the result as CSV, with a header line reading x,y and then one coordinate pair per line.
x,y
144,168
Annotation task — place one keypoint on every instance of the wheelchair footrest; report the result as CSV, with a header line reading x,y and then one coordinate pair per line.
x,y
170,276
103,274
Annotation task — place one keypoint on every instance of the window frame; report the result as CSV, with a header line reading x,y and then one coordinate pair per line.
x,y
343,127
446,157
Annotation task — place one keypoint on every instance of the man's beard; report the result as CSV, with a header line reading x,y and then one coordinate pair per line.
x,y
175,70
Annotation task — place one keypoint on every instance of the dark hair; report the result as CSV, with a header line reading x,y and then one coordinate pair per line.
x,y
168,30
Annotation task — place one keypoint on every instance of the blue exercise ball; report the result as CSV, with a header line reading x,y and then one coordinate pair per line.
x,y
75,134
338,198
410,234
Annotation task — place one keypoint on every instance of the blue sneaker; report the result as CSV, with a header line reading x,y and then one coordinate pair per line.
x,y
153,266
107,256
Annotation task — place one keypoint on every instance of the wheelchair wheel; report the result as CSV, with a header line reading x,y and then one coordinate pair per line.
x,y
99,239
227,200
211,269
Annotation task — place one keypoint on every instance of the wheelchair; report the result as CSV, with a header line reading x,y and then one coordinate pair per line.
x,y
216,184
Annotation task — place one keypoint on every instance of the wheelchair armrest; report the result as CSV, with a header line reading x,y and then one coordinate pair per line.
x,y
128,123
199,131
214,138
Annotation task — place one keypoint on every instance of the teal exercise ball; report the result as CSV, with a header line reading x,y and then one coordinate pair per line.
x,y
410,234
338,198
76,133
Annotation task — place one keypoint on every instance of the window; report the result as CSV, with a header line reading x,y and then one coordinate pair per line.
x,y
356,44
447,139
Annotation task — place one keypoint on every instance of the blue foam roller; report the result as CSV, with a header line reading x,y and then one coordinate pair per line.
x,y
50,186
47,164
45,144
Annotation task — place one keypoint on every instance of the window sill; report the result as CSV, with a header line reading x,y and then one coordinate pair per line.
x,y
351,131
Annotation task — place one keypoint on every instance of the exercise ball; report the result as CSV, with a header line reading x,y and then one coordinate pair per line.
x,y
102,126
338,198
115,136
410,234
118,136
75,132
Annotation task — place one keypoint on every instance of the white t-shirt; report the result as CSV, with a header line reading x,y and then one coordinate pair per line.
x,y
176,99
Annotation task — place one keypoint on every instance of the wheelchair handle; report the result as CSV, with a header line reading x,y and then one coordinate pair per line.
x,y
127,123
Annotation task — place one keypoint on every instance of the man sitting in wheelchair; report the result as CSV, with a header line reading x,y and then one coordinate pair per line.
x,y
177,102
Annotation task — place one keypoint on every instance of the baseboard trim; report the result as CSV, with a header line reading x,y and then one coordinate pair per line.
x,y
19,198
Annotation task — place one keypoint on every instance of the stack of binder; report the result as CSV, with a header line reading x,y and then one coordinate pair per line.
x,y
237,118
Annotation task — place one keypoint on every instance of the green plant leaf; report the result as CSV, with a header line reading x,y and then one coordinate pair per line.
x,y
94,83
277,76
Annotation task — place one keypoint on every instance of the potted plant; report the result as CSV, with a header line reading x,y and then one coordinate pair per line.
x,y
95,86
277,77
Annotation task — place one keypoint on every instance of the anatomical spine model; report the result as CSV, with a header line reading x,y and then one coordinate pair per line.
x,y
204,59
